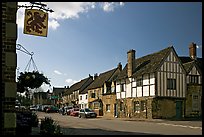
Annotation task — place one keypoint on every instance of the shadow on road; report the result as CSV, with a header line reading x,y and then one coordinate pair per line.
x,y
82,131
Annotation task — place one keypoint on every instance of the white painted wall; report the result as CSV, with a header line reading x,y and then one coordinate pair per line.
x,y
84,100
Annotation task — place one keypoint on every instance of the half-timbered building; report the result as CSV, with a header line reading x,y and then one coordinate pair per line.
x,y
153,86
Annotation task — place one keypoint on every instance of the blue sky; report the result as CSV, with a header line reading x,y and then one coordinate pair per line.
x,y
88,38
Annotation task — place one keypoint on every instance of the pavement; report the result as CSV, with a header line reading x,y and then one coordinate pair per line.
x,y
184,123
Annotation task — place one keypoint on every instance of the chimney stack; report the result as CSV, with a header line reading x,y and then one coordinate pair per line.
x,y
95,76
192,51
120,66
130,62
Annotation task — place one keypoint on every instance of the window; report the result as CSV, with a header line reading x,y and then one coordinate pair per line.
x,y
139,82
171,84
195,102
108,89
112,89
122,87
195,97
80,97
143,106
93,95
193,79
108,107
137,106
86,96
96,105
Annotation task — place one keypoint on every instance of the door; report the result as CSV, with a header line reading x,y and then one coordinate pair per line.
x,y
115,110
178,109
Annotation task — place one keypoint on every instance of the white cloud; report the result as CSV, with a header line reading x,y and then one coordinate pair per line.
x,y
199,46
57,72
70,81
65,10
69,10
110,6
53,24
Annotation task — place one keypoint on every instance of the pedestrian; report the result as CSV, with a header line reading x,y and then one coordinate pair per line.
x,y
63,110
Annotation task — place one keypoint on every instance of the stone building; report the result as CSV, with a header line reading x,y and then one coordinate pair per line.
x,y
193,67
101,92
9,64
153,86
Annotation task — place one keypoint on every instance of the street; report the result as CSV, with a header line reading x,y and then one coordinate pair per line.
x,y
100,126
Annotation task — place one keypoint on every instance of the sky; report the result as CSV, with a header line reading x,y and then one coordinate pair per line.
x,y
88,38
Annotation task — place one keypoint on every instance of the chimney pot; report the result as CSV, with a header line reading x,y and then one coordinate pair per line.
x,y
120,66
95,76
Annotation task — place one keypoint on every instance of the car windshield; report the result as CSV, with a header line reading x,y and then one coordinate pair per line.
x,y
76,109
88,110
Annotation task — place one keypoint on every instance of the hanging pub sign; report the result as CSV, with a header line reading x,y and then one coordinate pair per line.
x,y
36,22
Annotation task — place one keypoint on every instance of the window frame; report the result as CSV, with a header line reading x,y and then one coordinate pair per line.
x,y
171,84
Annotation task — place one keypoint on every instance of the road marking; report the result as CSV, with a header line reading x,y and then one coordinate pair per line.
x,y
180,125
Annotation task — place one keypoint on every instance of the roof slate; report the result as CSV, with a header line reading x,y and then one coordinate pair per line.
x,y
102,78
188,62
147,64
77,86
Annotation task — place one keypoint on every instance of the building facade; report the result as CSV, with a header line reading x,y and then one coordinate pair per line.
x,y
9,64
150,84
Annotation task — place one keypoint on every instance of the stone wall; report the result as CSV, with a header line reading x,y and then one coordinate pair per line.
x,y
189,111
109,99
9,63
165,108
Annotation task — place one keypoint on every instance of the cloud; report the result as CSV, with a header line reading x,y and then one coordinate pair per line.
x,y
199,46
57,72
110,6
53,24
69,10
70,81
66,10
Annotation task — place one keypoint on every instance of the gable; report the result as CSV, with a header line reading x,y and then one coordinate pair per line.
x,y
172,63
194,71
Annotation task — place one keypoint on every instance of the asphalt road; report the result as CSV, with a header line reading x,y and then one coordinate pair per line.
x,y
100,126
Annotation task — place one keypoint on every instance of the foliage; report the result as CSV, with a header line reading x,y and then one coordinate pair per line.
x,y
49,127
30,80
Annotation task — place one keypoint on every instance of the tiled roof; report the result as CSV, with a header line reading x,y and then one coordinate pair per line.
x,y
188,63
100,80
57,91
78,85
84,91
147,64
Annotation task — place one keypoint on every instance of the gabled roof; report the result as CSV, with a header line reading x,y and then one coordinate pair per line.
x,y
102,78
84,91
188,63
57,90
147,64
67,92
79,85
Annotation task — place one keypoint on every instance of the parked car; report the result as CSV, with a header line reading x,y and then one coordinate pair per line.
x,y
74,112
33,108
68,109
87,113
52,109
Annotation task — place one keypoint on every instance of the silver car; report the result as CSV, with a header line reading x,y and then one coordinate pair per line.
x,y
87,113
